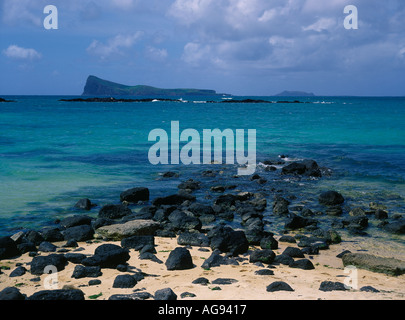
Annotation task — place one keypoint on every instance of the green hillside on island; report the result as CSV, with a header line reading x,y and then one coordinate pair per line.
x,y
99,87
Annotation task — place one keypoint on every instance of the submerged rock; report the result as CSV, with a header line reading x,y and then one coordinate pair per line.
x,y
397,227
280,206
84,204
331,198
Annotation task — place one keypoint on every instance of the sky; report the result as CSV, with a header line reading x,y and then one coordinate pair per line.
x,y
240,47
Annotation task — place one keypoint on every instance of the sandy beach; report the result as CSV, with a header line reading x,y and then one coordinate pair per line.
x,y
248,285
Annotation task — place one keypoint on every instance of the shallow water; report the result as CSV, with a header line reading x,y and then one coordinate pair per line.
x,y
53,153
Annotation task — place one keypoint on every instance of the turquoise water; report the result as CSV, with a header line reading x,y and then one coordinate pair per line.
x,y
53,153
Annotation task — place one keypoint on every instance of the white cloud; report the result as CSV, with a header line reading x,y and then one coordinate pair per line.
x,y
16,52
321,25
17,12
195,53
156,54
113,45
123,4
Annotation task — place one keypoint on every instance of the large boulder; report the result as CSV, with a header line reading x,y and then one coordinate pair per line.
x,y
40,263
114,211
135,195
117,232
193,239
179,259
225,239
11,293
264,256
184,222
373,263
138,242
79,233
8,248
108,256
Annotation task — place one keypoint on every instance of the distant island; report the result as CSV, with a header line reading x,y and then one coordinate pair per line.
x,y
295,94
99,87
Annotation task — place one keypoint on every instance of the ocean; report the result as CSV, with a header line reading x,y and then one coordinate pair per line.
x,y
53,153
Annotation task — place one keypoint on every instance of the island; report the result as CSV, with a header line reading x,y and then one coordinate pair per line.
x,y
295,94
99,87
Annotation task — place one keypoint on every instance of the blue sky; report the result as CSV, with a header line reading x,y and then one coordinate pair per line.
x,y
242,47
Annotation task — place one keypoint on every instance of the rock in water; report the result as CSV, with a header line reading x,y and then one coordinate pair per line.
x,y
84,204
79,233
307,168
113,211
330,198
179,259
135,195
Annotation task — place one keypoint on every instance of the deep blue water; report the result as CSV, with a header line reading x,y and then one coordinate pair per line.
x,y
53,153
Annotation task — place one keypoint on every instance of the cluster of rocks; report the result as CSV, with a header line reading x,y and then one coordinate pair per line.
x,y
194,223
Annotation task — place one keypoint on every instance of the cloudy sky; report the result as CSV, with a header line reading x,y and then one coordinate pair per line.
x,y
242,47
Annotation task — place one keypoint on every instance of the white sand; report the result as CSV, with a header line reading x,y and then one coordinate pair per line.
x,y
250,286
